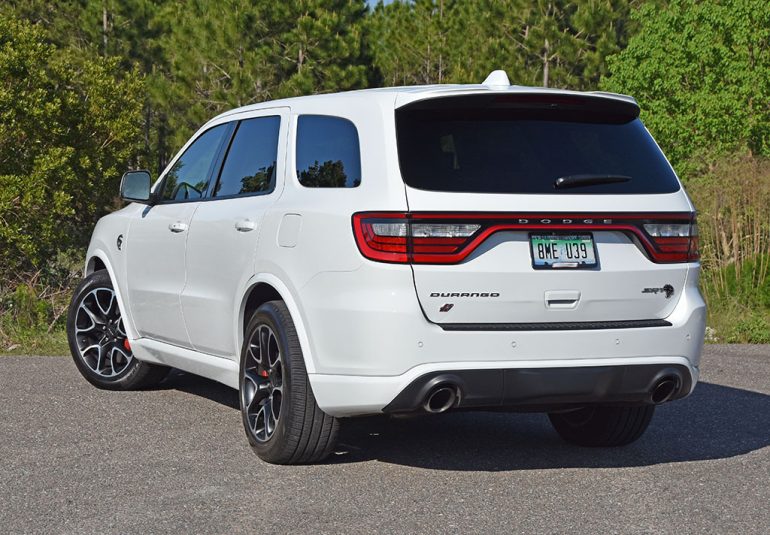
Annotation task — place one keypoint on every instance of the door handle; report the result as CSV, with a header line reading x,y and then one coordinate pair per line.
x,y
177,227
245,225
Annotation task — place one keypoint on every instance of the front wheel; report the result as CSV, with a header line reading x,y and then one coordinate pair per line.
x,y
98,340
603,426
283,423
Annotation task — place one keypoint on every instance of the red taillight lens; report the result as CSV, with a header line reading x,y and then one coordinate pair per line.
x,y
674,242
438,238
381,237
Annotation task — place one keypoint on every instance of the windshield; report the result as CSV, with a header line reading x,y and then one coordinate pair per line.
x,y
525,143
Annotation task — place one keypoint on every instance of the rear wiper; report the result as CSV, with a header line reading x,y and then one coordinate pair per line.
x,y
577,181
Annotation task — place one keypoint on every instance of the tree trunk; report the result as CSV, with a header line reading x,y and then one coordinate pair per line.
x,y
300,59
546,62
104,29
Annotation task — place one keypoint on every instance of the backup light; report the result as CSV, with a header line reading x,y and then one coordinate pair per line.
x,y
389,229
667,230
441,230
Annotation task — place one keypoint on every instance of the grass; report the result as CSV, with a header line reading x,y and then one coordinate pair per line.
x,y
32,341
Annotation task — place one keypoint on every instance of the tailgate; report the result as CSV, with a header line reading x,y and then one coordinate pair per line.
x,y
539,208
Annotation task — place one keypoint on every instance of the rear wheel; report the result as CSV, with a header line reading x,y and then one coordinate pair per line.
x,y
603,426
282,420
98,341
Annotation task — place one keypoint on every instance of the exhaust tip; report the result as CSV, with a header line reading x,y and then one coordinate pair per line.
x,y
664,390
441,399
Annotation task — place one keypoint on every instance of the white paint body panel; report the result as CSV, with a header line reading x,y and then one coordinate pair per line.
x,y
503,265
155,270
361,326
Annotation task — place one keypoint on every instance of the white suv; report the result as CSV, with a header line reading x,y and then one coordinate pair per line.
x,y
405,250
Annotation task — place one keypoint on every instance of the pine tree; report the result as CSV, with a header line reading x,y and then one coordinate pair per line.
x,y
555,43
229,53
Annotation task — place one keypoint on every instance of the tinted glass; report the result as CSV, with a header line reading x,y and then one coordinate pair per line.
x,y
496,145
250,162
189,176
328,154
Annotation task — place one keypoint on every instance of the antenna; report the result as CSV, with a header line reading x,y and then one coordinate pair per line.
x,y
497,79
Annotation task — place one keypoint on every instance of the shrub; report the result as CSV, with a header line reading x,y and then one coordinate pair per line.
x,y
732,199
68,128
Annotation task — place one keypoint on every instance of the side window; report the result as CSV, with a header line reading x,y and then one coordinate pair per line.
x,y
190,175
250,162
328,153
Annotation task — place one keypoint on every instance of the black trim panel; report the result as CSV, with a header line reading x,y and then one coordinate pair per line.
x,y
545,388
555,326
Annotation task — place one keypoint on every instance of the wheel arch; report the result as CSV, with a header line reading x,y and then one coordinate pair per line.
x,y
95,264
266,287
98,260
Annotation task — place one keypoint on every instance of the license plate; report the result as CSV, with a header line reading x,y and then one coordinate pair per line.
x,y
562,251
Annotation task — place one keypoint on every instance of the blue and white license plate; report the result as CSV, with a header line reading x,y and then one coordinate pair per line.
x,y
554,251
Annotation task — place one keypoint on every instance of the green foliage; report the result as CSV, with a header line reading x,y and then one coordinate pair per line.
x,y
555,43
237,52
17,340
27,308
752,330
68,127
732,199
738,326
126,29
701,71
33,313
426,42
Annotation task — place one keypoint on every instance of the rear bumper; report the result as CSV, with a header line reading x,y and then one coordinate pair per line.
x,y
528,385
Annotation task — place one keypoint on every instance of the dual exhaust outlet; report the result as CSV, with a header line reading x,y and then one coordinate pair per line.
x,y
445,396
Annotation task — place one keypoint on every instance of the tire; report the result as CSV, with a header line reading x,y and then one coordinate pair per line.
x,y
603,426
98,340
280,415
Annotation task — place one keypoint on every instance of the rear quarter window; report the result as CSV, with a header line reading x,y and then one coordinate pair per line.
x,y
328,152
523,144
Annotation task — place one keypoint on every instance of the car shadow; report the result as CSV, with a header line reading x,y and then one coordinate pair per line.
x,y
715,422
200,386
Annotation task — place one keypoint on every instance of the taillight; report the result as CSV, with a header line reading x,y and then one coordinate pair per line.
x,y
388,237
674,242
438,238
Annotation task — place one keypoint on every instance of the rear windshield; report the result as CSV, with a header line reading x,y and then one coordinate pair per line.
x,y
524,143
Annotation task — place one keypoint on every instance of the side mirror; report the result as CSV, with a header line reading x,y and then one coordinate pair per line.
x,y
135,187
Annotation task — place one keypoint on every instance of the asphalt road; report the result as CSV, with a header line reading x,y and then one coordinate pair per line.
x,y
74,459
